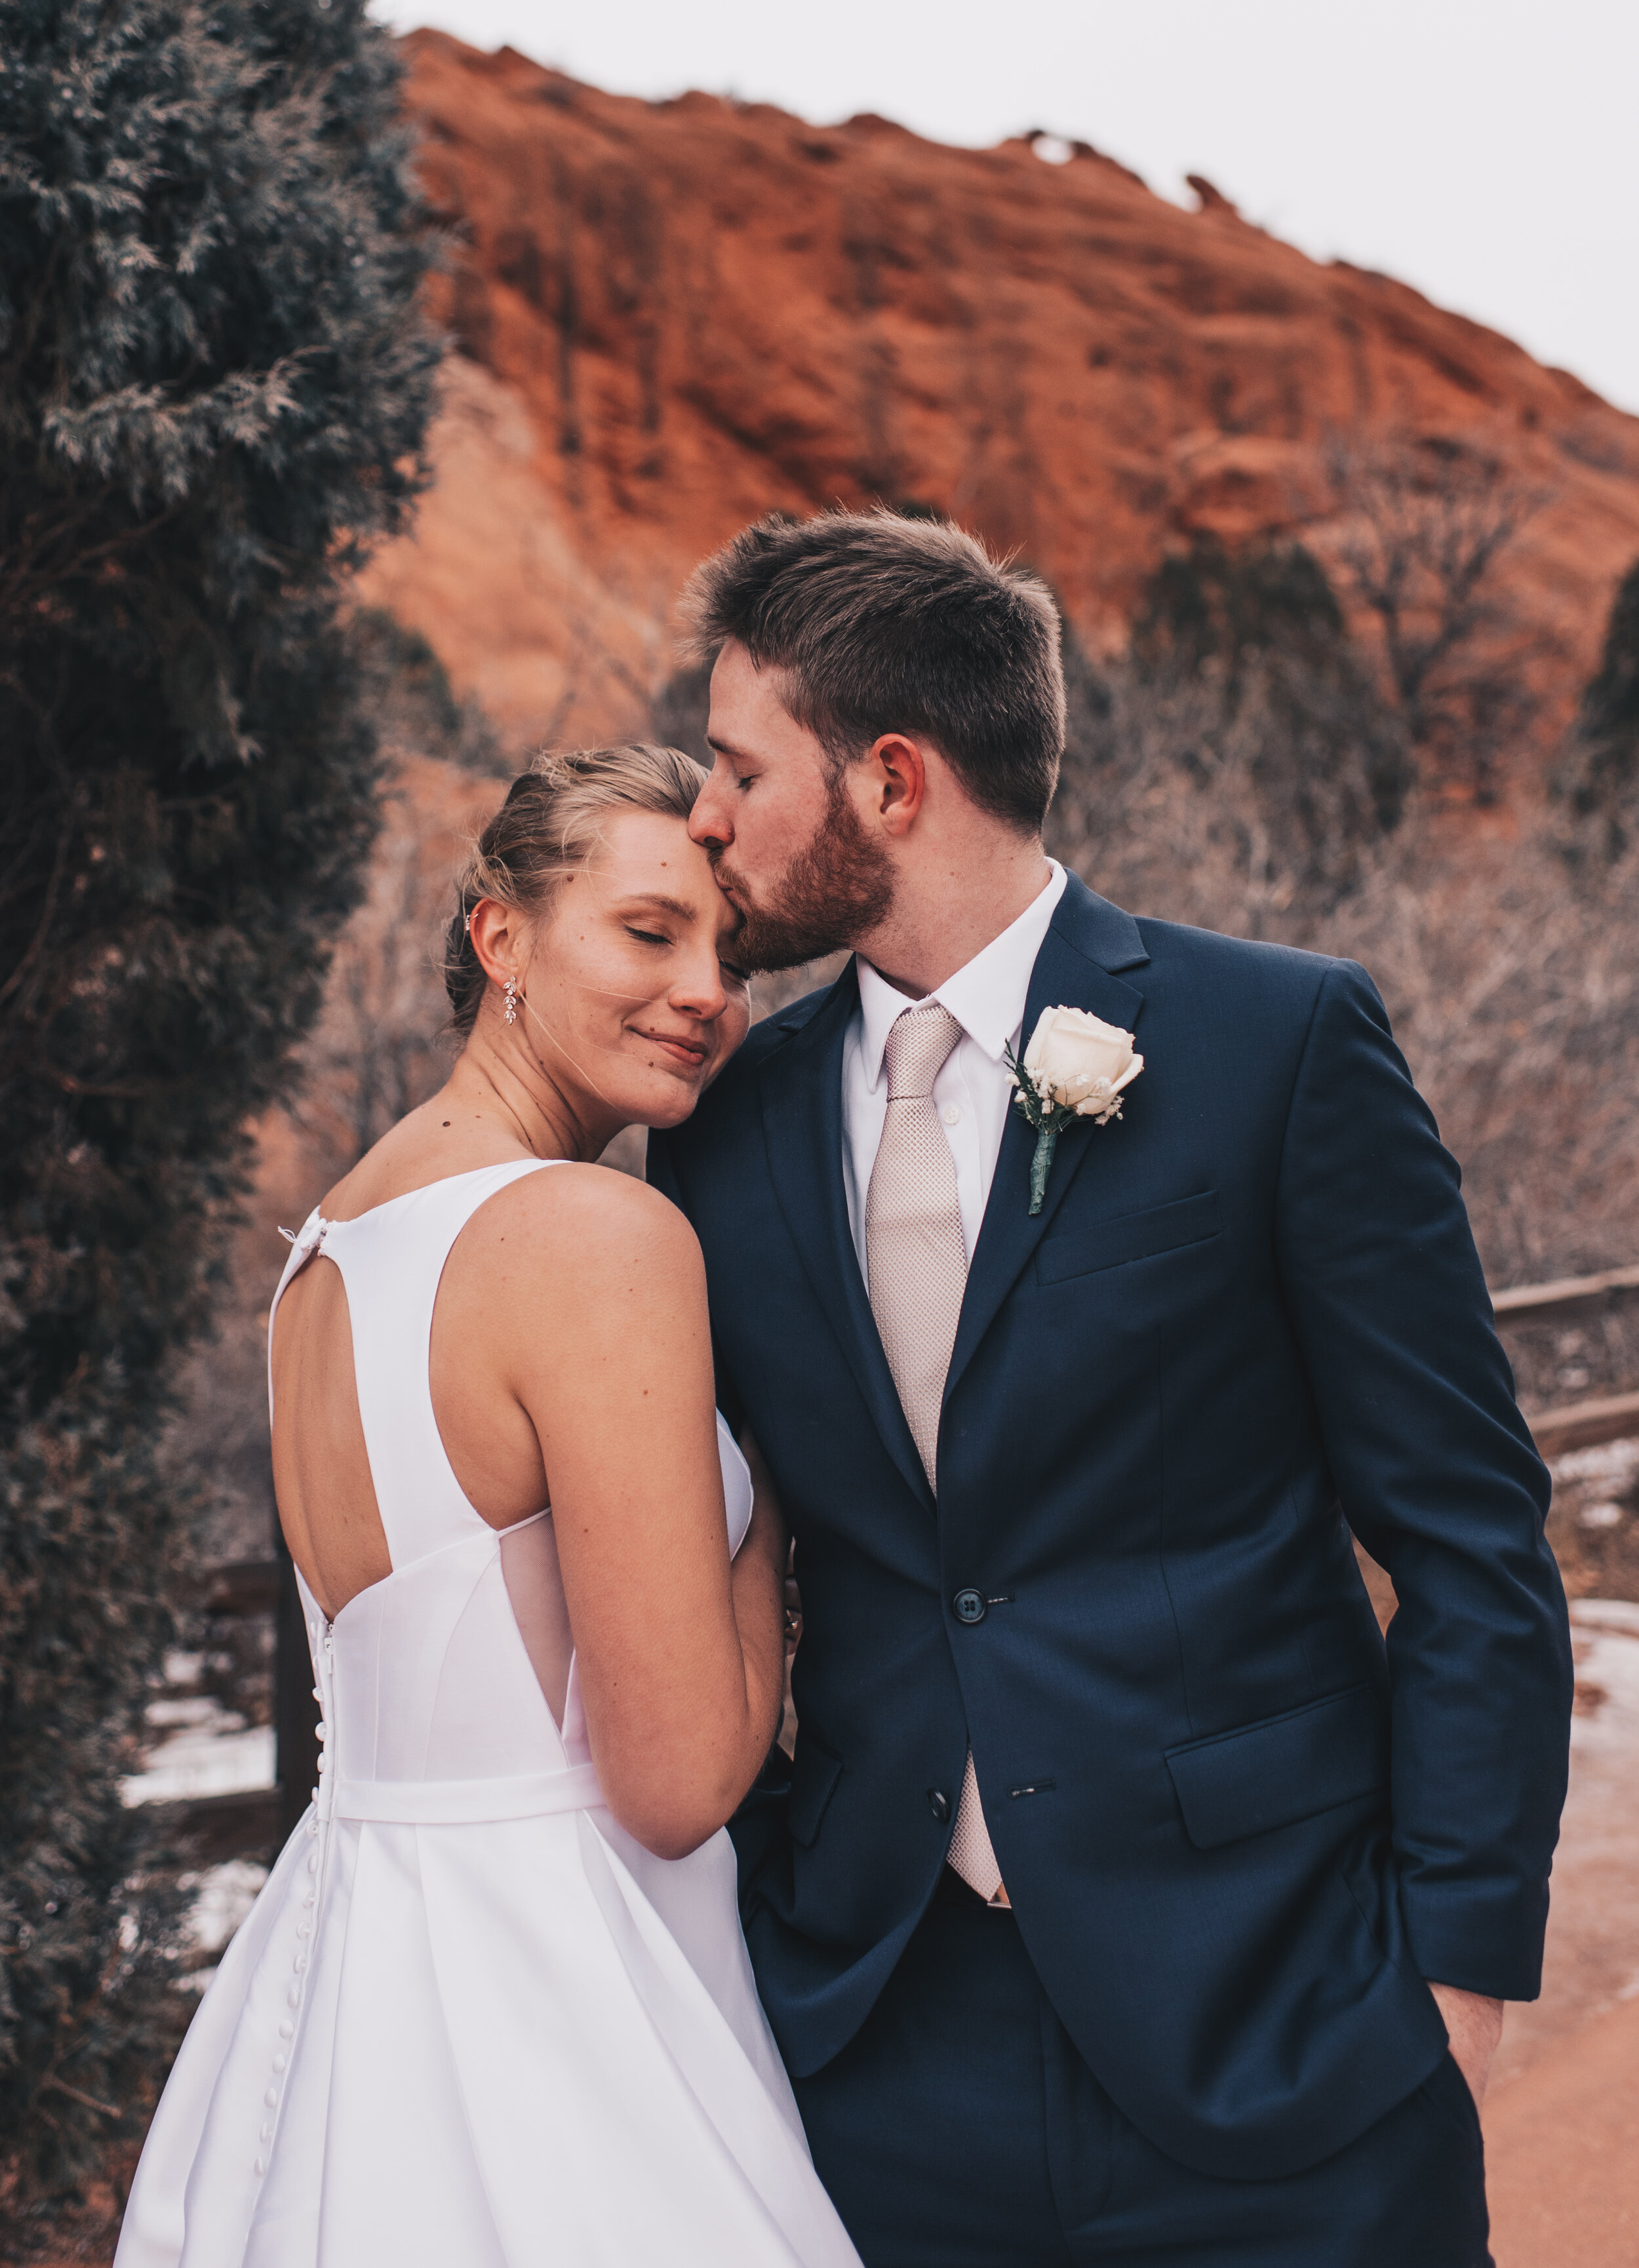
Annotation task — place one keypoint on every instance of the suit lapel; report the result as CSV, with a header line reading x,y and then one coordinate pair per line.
x,y
1087,940
801,1096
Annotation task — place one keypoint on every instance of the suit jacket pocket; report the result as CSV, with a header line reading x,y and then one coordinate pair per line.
x,y
1282,1769
1133,1236
814,1772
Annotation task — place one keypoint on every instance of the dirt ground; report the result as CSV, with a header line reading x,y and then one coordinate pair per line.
x,y
1562,2153
1563,2118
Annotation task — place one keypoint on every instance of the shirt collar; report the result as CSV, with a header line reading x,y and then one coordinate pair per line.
x,y
986,997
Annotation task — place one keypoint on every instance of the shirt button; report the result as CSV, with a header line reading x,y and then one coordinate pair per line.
x,y
968,1607
952,1113
939,1804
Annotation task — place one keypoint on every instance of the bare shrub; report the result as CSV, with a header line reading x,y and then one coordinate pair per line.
x,y
1427,523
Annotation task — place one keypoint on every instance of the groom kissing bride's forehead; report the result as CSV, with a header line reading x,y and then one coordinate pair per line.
x,y
1126,1897
883,698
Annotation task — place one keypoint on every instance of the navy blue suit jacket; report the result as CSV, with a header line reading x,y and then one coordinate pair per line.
x,y
1237,1833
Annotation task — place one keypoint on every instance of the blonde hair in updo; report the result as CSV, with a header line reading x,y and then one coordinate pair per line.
x,y
549,826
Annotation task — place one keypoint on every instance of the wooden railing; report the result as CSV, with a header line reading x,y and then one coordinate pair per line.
x,y
226,1826
1538,1303
1575,1425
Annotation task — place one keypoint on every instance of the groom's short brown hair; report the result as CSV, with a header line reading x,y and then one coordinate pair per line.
x,y
882,624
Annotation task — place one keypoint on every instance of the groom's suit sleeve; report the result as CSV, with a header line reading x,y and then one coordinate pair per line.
x,y
1438,1477
660,1174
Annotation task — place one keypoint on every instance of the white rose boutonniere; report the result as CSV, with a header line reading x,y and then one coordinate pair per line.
x,y
1076,1066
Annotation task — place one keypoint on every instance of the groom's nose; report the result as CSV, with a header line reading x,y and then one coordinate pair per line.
x,y
709,823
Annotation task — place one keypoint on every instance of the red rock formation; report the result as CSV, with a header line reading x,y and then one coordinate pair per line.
x,y
673,316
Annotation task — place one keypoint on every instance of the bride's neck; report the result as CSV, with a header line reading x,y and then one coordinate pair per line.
x,y
491,1083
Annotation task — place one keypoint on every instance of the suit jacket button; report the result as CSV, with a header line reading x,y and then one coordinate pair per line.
x,y
969,1606
939,1804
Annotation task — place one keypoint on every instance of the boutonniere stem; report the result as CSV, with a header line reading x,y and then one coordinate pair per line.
x,y
1076,1066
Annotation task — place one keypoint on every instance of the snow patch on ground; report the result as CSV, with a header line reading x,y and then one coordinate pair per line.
x,y
223,1897
208,1751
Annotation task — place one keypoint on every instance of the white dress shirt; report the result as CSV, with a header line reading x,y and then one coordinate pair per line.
x,y
973,1092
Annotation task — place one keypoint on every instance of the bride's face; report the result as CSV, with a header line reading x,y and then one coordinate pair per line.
x,y
633,997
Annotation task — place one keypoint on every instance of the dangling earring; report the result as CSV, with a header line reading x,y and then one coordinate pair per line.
x,y
511,1000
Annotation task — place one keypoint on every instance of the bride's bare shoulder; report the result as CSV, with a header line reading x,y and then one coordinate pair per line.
x,y
572,1212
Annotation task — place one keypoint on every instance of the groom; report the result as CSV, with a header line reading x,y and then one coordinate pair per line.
x,y
1128,1902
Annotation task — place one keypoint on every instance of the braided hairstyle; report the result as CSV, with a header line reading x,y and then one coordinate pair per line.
x,y
550,824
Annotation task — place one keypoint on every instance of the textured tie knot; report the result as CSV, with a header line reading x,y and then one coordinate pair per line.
x,y
917,1044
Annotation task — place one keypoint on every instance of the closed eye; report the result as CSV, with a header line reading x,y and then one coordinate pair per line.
x,y
646,935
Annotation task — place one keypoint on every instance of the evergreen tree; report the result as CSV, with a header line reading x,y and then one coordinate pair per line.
x,y
214,389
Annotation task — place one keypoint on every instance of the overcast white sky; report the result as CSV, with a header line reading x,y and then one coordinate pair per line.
x,y
1486,151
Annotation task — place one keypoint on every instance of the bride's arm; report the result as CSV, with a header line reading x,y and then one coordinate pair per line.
x,y
680,1654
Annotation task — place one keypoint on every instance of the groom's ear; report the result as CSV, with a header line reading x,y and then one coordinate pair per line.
x,y
897,771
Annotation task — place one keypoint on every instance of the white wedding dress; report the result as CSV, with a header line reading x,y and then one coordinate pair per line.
x,y
470,2023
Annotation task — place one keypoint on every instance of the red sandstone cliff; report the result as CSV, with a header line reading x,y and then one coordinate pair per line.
x,y
674,316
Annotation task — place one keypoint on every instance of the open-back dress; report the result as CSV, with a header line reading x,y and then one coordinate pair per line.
x,y
469,2022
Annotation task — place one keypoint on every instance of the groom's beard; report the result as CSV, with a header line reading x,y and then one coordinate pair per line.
x,y
837,889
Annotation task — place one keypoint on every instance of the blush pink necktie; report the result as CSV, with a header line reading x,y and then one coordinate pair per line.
x,y
918,1266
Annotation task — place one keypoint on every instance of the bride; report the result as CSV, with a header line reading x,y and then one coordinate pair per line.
x,y
493,2007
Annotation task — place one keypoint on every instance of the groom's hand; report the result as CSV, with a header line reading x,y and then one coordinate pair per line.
x,y
1473,2024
